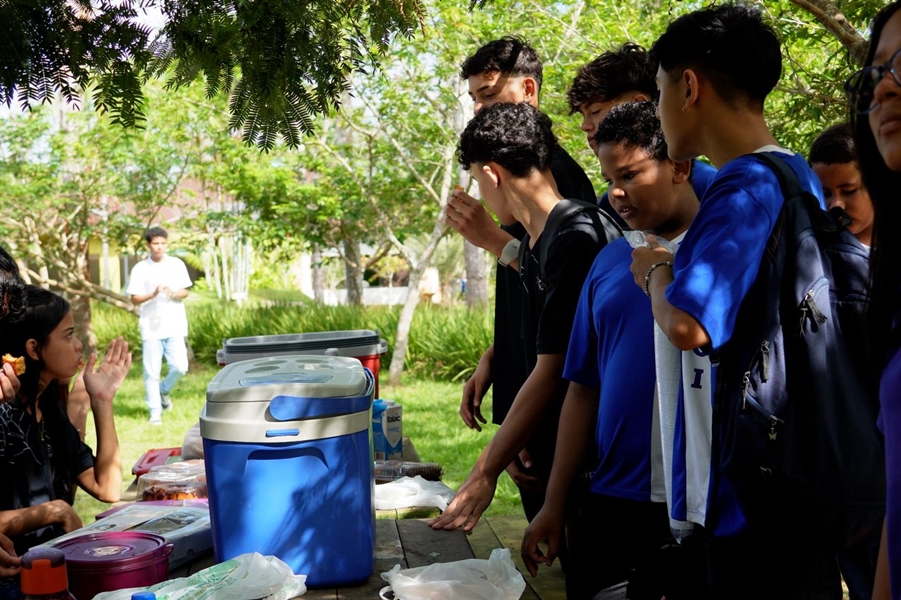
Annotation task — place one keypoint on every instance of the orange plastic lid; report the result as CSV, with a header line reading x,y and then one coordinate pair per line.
x,y
44,572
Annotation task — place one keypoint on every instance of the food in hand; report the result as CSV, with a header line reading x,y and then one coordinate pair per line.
x,y
18,363
458,188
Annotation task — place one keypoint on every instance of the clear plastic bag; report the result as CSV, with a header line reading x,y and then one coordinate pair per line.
x,y
412,491
473,579
245,576
192,447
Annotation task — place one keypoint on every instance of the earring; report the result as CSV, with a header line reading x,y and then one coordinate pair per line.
x,y
685,108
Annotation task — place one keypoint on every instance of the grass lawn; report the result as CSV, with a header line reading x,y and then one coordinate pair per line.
x,y
431,421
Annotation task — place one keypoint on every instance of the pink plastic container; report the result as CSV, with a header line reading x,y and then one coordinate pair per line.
x,y
113,560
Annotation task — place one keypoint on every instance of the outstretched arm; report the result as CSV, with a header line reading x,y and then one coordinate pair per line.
x,y
525,414
104,480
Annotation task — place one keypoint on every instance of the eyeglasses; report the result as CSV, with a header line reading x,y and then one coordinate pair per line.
x,y
861,87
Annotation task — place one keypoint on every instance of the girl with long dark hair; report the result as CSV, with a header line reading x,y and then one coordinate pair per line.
x,y
42,455
875,96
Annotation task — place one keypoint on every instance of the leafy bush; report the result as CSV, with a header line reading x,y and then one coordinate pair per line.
x,y
445,343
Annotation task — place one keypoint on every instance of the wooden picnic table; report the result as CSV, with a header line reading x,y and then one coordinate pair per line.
x,y
412,543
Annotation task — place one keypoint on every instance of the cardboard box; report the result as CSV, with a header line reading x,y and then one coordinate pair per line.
x,y
387,430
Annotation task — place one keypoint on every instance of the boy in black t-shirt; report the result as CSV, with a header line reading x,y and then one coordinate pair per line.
x,y
506,70
508,148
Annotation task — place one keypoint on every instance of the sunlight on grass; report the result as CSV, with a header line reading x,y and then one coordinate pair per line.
x,y
431,420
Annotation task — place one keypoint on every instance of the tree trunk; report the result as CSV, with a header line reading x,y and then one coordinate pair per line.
x,y
353,271
81,313
404,323
476,277
318,275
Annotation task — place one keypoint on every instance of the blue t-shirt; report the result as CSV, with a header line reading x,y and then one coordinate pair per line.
x,y
715,268
722,250
890,424
612,348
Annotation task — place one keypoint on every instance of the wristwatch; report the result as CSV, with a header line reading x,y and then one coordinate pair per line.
x,y
509,253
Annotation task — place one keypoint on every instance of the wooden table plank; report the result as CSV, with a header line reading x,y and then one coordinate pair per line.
x,y
425,546
388,552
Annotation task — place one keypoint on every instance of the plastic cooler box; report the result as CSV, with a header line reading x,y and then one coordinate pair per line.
x,y
289,466
363,344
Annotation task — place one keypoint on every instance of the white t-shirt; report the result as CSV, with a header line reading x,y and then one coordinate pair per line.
x,y
161,318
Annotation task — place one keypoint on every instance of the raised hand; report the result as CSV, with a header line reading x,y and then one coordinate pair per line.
x,y
102,380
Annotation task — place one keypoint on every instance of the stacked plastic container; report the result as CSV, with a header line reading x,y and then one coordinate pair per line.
x,y
363,344
289,465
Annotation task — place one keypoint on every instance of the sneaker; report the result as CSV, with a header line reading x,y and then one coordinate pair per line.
x,y
166,401
156,419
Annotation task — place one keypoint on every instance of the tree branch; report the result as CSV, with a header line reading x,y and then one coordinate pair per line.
x,y
827,13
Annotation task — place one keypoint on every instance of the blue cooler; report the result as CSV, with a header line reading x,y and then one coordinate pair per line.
x,y
289,466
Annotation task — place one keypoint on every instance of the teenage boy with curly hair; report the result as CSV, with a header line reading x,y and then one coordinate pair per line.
x,y
508,148
613,334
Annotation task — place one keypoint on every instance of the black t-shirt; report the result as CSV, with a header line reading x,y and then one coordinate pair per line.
x,y
549,309
39,462
510,367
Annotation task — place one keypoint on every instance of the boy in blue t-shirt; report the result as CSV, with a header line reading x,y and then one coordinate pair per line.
x,y
715,69
621,530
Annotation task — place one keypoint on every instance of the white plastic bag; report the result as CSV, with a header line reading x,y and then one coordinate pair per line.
x,y
245,576
472,579
192,447
412,491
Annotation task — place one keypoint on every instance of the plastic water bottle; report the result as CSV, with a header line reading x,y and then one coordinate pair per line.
x,y
379,447
43,575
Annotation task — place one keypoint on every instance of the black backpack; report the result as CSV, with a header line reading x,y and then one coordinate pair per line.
x,y
603,223
796,398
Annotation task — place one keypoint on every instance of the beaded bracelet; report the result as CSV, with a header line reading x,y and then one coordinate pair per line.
x,y
647,276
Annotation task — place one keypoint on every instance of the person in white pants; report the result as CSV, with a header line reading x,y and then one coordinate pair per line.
x,y
159,284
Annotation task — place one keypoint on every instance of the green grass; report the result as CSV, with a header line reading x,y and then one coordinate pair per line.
x,y
431,420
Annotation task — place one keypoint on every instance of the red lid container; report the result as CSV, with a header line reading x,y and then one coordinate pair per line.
x,y
155,457
113,560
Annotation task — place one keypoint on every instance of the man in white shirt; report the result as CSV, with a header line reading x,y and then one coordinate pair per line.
x,y
159,284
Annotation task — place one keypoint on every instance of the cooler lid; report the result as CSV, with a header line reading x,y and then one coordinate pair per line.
x,y
296,376
300,342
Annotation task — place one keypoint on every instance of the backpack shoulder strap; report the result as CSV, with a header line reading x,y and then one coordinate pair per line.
x,y
792,189
566,208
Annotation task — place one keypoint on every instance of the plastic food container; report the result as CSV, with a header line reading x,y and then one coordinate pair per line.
x,y
155,457
289,464
363,344
184,480
113,560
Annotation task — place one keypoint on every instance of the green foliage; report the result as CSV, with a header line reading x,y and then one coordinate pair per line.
x,y
445,344
293,57
57,46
